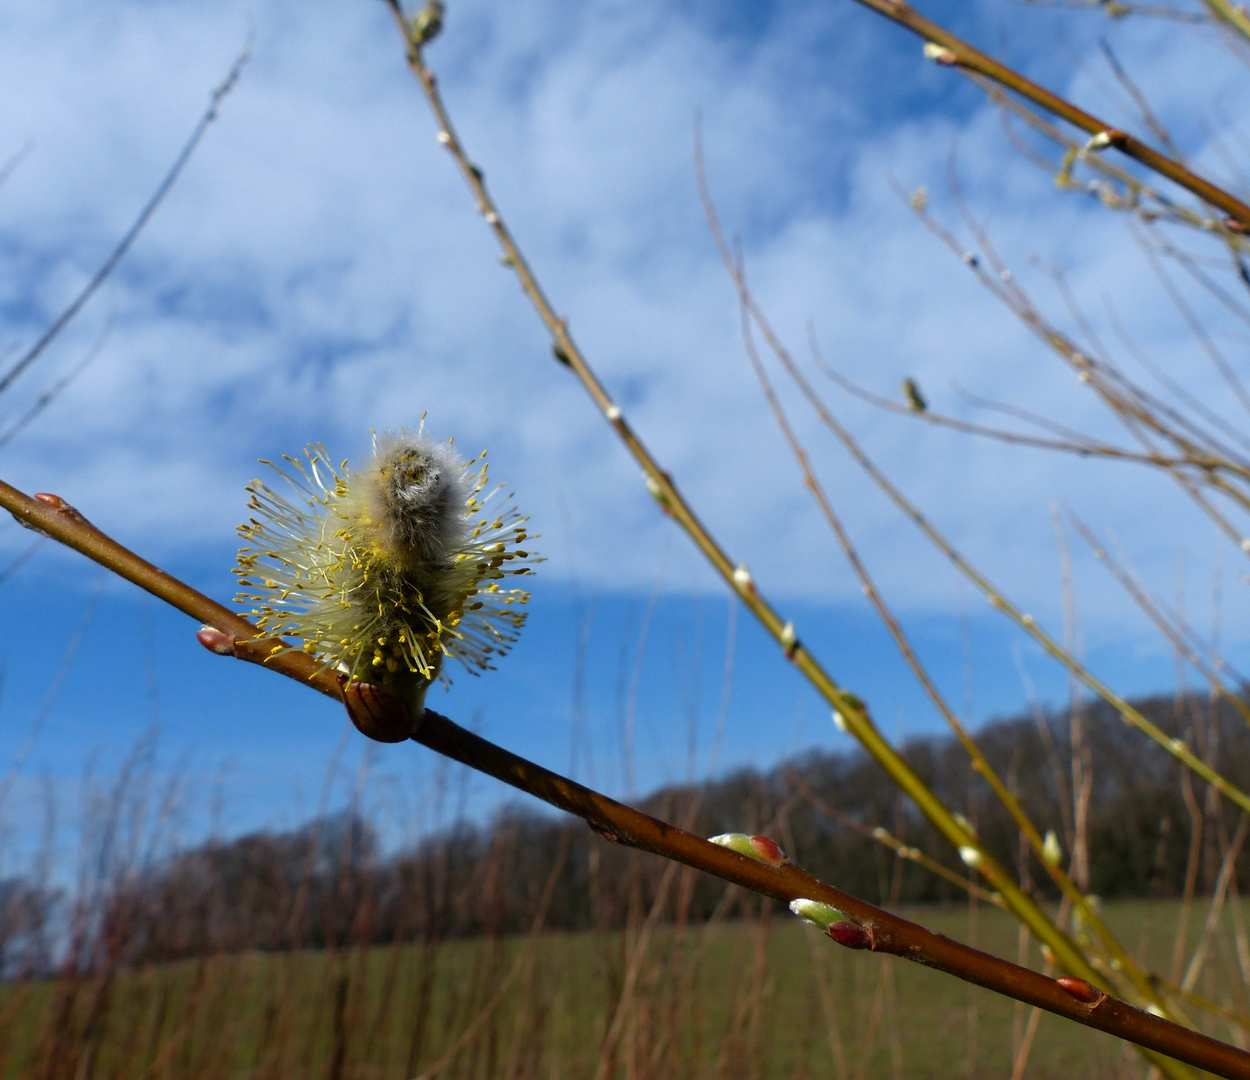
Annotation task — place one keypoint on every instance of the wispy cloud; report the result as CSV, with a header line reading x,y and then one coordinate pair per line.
x,y
321,272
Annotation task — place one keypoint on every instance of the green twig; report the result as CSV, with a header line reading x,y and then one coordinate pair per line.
x,y
865,926
849,711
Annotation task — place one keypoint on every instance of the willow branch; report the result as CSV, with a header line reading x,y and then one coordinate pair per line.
x,y
880,835
1014,898
54,517
959,53
1142,415
1082,446
865,926
849,711
1175,634
996,598
1119,10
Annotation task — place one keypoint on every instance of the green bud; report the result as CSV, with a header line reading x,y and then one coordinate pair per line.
x,y
817,913
1052,853
759,848
425,25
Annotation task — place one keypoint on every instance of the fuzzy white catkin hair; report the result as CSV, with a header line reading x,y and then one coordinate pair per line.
x,y
414,495
384,571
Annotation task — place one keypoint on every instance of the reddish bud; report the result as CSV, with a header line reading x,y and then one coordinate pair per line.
x,y
606,832
55,502
768,851
850,934
939,54
377,713
215,641
1080,989
759,848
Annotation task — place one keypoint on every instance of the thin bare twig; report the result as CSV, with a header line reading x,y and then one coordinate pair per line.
x,y
54,517
958,53
1082,446
848,709
124,244
877,930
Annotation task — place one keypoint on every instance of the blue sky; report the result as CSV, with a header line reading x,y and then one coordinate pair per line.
x,y
320,272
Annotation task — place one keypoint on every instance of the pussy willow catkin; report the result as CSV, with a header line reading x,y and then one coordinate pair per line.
x,y
384,571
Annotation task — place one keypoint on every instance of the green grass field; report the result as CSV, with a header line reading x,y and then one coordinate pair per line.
x,y
763,998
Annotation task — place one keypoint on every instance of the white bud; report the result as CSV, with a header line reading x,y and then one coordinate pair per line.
x,y
444,138
788,640
971,856
759,848
1052,853
817,913
939,54
839,721
742,577
613,413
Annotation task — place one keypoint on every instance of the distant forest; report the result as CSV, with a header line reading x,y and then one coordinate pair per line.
x,y
327,883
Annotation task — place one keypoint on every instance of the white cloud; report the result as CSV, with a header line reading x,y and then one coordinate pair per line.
x,y
320,270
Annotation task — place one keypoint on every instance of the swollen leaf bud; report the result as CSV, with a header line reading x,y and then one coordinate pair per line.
x,y
939,54
817,913
1052,853
759,848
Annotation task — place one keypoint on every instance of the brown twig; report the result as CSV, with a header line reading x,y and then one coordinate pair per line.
x,y
1081,445
1143,415
1118,9
1108,383
235,636
124,244
883,836
958,53
848,709
1176,633
875,929
865,927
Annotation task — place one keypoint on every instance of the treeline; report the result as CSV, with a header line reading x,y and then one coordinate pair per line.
x,y
328,884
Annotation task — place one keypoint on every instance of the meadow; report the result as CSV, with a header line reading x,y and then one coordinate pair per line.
x,y
752,997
